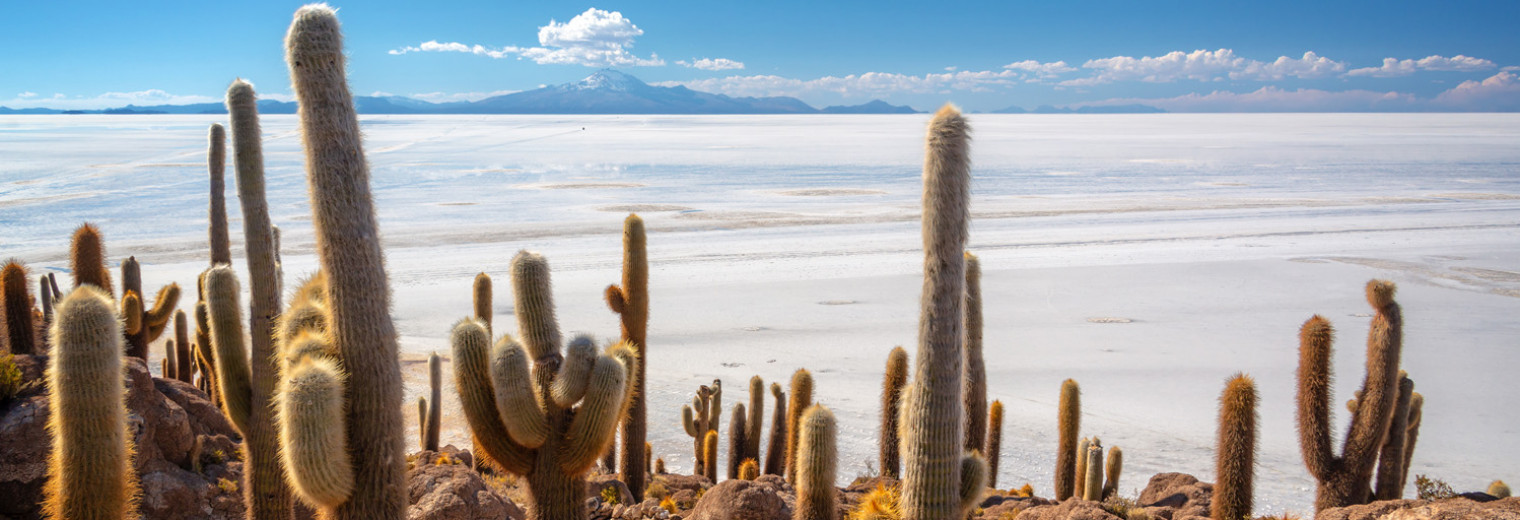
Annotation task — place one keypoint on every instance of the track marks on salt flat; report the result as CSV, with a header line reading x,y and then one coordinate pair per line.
x,y
1440,271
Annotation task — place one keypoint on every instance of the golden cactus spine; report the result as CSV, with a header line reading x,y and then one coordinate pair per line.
x,y
630,300
1347,479
348,251
526,420
90,471
1069,422
775,451
710,456
994,441
1235,458
817,463
1390,485
216,166
974,377
801,399
17,306
891,398
932,417
87,258
749,470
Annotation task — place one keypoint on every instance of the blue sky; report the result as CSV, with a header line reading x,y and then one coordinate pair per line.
x,y
1182,56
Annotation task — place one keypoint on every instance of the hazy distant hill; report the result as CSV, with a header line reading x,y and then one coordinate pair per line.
x,y
875,106
1114,109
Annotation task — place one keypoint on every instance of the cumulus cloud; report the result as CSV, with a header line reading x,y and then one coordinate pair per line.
x,y
595,38
1500,92
867,84
712,64
1275,99
1041,70
1204,65
107,100
1393,67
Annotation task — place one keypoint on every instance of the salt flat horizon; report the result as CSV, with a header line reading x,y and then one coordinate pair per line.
x,y
1147,256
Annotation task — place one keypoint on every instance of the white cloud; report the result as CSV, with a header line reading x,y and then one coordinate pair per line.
x,y
1510,68
1041,70
26,95
867,84
106,100
712,64
1500,92
1393,67
1204,65
595,38
1275,99
951,68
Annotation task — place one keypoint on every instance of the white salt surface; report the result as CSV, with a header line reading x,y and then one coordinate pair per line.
x,y
1147,256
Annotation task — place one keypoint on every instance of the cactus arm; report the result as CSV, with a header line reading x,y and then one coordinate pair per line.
x,y
615,299
182,347
973,481
534,298
226,319
1412,434
1092,489
596,419
315,450
131,310
1380,388
1391,458
1081,487
519,410
163,309
715,406
1111,472
775,451
892,384
1314,355
754,424
801,399
87,259
1235,456
994,441
689,422
472,379
574,375
629,356
216,165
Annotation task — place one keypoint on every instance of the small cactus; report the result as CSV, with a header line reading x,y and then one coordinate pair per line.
x,y
1235,458
754,425
775,451
435,403
87,259
710,456
1114,467
891,396
90,471
817,461
801,399
659,466
182,349
749,470
1390,477
736,440
1416,406
994,441
1081,475
151,323
1092,489
1498,489
696,420
16,304
481,297
1069,424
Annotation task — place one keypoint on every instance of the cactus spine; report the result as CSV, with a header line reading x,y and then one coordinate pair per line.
x,y
434,406
801,399
974,378
1235,458
817,461
775,452
1346,480
1069,422
1390,478
216,165
710,456
935,469
526,420
630,301
17,306
87,258
736,440
891,398
994,441
90,472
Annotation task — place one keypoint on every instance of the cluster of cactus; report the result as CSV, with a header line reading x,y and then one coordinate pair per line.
x,y
701,417
1386,397
630,301
1081,470
527,420
940,480
144,324
745,428
1097,477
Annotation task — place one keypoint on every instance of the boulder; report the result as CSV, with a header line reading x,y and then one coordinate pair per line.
x,y
1445,509
1176,496
1072,509
452,491
737,499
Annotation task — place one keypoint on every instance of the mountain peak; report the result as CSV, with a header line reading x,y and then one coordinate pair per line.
x,y
608,79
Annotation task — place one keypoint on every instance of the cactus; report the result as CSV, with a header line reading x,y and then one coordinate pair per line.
x,y
48,293
1111,471
715,406
1346,480
1390,485
1235,458
216,166
695,420
87,259
754,425
90,471
1416,406
1498,489
710,456
205,351
1092,488
348,250
817,461
481,298
736,440
994,441
315,450
17,306
224,312
182,352
526,420
170,361
974,378
749,469
801,399
153,321
891,396
775,451
1069,422
1081,475
936,472
659,466
435,403
630,301
422,422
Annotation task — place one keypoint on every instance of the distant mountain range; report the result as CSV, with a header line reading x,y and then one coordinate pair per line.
x,y
604,92
1114,109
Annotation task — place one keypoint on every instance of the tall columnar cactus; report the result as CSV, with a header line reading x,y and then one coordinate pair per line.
x,y
891,397
17,306
1092,488
935,466
1346,480
974,379
90,470
710,456
775,451
348,250
216,166
1416,407
817,463
754,425
994,441
695,419
170,361
1069,423
715,406
527,420
182,349
87,258
1114,466
481,298
801,399
434,404
1082,445
1235,458
1390,485
48,293
630,301
152,322
736,440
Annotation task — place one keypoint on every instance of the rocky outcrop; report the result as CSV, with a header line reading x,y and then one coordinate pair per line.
x,y
1447,509
1071,509
1176,496
441,486
737,499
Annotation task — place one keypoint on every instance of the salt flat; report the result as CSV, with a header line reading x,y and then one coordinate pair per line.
x,y
1147,256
